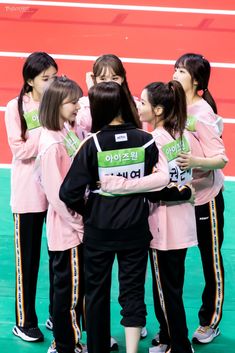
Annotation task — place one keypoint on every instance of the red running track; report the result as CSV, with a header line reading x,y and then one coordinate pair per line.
x,y
128,34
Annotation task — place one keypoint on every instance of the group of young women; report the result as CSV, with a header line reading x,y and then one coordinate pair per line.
x,y
108,188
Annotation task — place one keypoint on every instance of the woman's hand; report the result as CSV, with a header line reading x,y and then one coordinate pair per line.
x,y
112,183
186,161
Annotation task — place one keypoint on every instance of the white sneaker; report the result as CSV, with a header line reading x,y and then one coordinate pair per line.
x,y
78,349
113,344
143,333
205,334
52,348
160,348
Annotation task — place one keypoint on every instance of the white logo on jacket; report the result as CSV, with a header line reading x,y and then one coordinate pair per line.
x,y
121,137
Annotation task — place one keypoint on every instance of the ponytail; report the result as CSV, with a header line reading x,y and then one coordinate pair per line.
x,y
172,98
25,89
209,99
179,111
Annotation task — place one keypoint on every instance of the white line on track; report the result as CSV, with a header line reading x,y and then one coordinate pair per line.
x,y
229,121
126,60
122,7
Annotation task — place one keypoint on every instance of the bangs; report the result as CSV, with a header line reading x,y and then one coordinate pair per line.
x,y
190,62
105,69
71,93
109,62
181,63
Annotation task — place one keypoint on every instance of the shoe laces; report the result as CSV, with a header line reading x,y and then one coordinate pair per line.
x,y
53,344
203,329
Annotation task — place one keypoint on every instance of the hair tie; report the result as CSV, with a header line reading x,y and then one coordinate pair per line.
x,y
63,78
206,89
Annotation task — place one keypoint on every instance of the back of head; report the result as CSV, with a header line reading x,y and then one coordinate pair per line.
x,y
59,90
171,97
107,102
199,69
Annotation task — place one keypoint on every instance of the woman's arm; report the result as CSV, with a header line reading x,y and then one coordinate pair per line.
x,y
52,165
173,192
83,118
212,155
73,188
20,149
187,160
153,182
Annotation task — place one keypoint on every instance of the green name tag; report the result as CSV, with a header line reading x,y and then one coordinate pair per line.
x,y
121,157
127,162
71,142
174,148
191,123
32,120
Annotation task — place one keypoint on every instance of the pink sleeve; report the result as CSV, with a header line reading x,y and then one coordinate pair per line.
x,y
153,182
211,144
51,179
20,149
84,115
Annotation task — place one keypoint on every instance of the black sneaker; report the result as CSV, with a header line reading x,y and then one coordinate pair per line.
x,y
32,334
156,340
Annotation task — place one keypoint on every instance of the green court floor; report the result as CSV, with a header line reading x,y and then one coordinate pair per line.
x,y
225,343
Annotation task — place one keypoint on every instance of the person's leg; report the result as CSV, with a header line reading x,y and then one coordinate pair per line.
x,y
163,336
49,321
98,272
80,307
170,291
67,269
210,223
132,268
132,335
28,234
37,226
